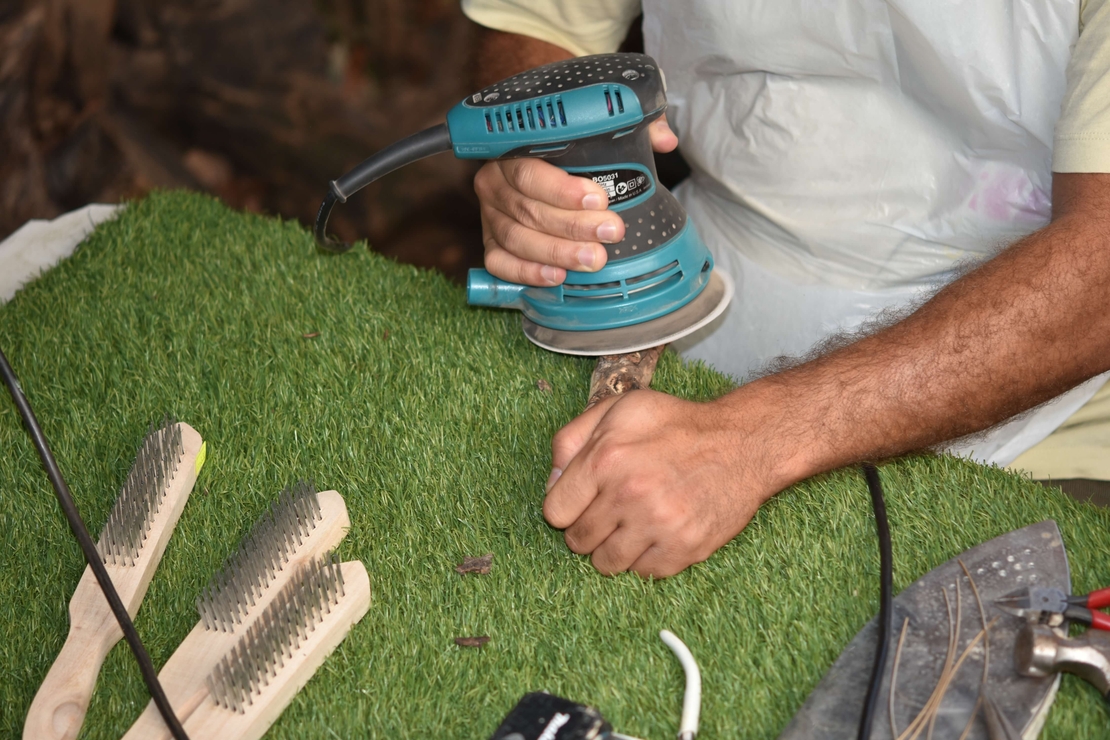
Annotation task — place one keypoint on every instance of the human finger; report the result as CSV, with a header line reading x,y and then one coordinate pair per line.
x,y
620,550
543,248
543,181
505,265
576,224
663,139
658,562
571,487
570,492
570,440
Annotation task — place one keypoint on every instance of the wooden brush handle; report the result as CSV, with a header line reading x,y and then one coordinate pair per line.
x,y
213,722
59,707
182,677
61,702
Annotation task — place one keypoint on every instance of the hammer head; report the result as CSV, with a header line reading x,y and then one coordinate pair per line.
x,y
1039,651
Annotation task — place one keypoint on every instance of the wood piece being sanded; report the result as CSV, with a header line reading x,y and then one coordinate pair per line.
x,y
616,374
131,545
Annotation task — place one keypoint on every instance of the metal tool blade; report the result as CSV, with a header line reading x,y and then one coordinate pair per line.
x,y
709,304
1026,602
1033,554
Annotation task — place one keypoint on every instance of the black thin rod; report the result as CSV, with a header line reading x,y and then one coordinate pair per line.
x,y
886,600
88,547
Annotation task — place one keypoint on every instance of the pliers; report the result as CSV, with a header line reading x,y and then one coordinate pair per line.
x,y
1045,602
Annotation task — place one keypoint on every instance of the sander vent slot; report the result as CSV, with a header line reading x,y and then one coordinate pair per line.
x,y
674,278
617,289
597,286
612,293
542,114
653,274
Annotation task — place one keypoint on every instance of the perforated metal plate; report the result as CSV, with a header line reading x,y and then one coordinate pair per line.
x,y
709,304
1032,555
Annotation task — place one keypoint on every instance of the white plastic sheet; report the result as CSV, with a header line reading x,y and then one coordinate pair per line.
x,y
851,155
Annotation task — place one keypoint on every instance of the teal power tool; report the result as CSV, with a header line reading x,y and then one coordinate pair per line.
x,y
589,116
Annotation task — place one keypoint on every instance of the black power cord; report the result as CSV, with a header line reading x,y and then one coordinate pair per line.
x,y
69,508
886,600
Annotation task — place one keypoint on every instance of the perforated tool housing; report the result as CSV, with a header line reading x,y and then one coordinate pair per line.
x,y
589,116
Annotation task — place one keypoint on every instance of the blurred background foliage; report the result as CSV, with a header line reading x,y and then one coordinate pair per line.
x,y
259,102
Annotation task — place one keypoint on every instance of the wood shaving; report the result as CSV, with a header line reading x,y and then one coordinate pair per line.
x,y
543,385
310,335
475,642
479,566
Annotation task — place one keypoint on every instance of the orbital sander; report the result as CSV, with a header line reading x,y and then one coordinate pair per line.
x,y
589,116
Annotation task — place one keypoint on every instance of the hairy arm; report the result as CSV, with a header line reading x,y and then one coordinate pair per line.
x,y
1021,329
651,483
500,55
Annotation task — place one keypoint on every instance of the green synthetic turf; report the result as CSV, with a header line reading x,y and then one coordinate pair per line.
x,y
425,415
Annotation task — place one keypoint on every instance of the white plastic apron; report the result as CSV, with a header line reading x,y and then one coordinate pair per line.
x,y
850,155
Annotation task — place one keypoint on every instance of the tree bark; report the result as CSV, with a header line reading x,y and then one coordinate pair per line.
x,y
616,374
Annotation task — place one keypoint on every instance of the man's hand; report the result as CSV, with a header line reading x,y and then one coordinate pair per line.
x,y
538,221
651,483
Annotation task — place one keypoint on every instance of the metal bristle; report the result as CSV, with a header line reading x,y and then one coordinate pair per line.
x,y
274,538
142,493
279,631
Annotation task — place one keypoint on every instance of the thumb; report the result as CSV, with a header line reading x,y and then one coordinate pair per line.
x,y
663,139
570,440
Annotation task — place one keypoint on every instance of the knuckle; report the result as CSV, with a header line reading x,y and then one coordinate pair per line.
x,y
531,172
484,181
603,564
638,489
563,441
609,457
513,235
491,246
553,251
552,515
583,225
575,539
528,211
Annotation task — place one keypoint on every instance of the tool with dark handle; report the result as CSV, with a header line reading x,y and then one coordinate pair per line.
x,y
589,116
1039,651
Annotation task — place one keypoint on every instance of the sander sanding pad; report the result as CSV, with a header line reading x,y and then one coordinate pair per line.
x,y
709,304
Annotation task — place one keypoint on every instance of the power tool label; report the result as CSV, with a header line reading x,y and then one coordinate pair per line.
x,y
620,184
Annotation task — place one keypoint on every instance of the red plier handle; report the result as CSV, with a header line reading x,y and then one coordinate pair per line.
x,y
1097,599
1096,619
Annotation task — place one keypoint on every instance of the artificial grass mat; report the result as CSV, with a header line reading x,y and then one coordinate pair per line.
x,y
424,413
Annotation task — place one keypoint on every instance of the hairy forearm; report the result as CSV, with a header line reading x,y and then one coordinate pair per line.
x,y
500,55
1019,330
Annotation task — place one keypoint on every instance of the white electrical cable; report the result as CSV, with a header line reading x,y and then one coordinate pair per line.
x,y
691,700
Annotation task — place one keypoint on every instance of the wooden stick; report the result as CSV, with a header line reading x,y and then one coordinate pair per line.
x,y
59,707
183,675
213,722
616,374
